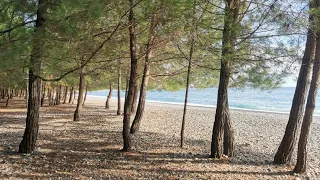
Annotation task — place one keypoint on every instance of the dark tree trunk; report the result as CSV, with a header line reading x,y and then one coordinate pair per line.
x,y
85,94
3,93
21,93
77,113
43,94
119,89
223,134
71,95
109,96
127,85
145,78
11,93
132,84
288,142
28,142
135,97
65,95
8,95
50,96
58,95
308,115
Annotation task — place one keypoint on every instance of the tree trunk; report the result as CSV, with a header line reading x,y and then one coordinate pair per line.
x,y
85,94
308,115
65,95
145,78
223,135
288,142
74,96
43,94
28,142
77,113
8,95
127,85
135,97
132,84
58,95
3,93
71,95
119,89
109,96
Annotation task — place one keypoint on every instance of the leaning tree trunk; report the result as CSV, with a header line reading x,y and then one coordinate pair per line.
x,y
288,142
223,134
109,96
132,83
135,98
71,95
85,94
28,142
119,89
145,78
308,115
65,95
77,113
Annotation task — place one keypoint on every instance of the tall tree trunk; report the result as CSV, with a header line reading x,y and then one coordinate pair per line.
x,y
132,84
85,94
308,115
58,95
65,95
77,113
28,142
119,89
71,95
3,93
127,85
145,78
289,139
223,134
21,93
109,96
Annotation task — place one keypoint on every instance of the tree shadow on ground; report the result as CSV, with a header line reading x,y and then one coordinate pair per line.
x,y
91,148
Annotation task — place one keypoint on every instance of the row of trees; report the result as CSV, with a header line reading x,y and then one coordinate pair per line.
x,y
158,45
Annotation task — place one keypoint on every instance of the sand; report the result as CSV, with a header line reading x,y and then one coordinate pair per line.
x,y
90,148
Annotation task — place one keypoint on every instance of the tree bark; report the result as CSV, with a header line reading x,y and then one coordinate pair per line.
x,y
119,89
77,113
43,94
135,98
8,95
132,83
223,134
145,77
285,150
301,164
109,96
71,95
58,95
28,142
85,94
74,96
65,95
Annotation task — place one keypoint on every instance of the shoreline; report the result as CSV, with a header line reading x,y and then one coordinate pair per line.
x,y
207,106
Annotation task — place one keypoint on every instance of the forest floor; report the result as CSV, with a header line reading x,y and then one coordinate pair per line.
x,y
91,147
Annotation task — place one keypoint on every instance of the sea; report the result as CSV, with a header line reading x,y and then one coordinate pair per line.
x,y
275,100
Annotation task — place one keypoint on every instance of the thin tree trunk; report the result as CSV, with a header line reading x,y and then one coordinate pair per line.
x,y
8,95
43,94
28,142
85,94
223,136
65,95
119,89
289,139
145,78
58,95
301,164
135,97
132,84
127,85
71,95
50,96
109,96
21,93
77,113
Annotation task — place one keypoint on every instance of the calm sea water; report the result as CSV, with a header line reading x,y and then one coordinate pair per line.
x,y
278,100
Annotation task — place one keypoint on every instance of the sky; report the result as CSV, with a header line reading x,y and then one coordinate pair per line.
x,y
290,82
